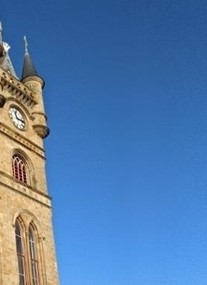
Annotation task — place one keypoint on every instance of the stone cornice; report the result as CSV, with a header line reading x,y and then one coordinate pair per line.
x,y
34,194
21,140
17,89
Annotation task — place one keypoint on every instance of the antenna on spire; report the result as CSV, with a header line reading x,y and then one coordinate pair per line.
x,y
25,44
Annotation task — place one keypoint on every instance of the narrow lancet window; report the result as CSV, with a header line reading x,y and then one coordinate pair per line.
x,y
20,253
33,257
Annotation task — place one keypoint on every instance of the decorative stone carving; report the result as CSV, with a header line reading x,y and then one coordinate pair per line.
x,y
41,130
18,90
34,87
1,50
2,101
21,140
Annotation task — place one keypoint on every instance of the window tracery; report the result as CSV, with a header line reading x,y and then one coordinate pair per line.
x,y
28,253
20,169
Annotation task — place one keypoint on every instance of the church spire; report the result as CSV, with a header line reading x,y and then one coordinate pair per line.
x,y
5,61
28,66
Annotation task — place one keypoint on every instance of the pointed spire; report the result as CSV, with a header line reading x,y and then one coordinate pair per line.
x,y
28,66
5,61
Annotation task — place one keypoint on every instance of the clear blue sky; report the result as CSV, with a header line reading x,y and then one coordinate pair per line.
x,y
126,99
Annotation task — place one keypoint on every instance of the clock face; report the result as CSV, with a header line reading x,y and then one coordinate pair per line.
x,y
17,118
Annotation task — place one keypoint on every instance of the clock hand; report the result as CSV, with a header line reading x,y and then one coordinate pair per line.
x,y
15,113
18,116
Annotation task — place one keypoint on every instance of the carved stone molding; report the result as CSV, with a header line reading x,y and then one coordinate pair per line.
x,y
2,101
7,181
17,89
17,137
41,130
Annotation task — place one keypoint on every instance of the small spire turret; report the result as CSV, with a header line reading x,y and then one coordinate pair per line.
x,y
32,80
28,66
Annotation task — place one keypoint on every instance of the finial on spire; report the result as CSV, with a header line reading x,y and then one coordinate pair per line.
x,y
25,44
1,30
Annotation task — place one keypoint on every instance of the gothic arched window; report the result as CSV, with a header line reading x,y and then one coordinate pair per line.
x,y
19,169
28,253
33,256
20,253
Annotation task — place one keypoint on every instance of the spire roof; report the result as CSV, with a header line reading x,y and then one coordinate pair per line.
x,y
28,66
5,61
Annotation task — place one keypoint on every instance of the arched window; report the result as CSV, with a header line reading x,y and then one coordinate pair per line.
x,y
28,253
33,256
19,169
20,253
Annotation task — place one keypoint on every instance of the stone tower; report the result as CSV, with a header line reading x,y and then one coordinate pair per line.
x,y
27,254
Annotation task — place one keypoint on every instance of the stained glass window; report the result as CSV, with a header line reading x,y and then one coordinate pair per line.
x,y
19,169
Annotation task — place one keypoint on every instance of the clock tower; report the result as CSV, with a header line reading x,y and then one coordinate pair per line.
x,y
27,251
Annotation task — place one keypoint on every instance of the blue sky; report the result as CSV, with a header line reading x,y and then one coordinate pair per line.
x,y
126,99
